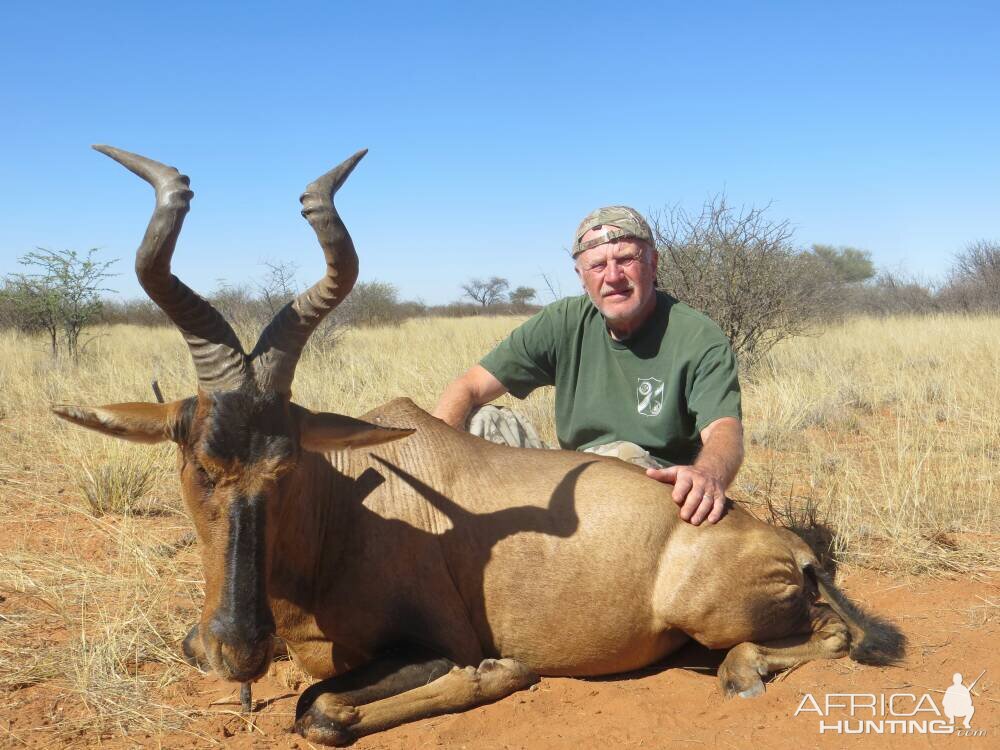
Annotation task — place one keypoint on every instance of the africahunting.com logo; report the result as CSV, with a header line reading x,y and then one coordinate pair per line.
x,y
895,713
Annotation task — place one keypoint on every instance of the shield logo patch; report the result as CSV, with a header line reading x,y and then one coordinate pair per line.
x,y
650,396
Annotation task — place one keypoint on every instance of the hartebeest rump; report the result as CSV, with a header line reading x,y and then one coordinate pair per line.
x,y
427,575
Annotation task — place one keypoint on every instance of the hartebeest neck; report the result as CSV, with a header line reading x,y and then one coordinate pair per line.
x,y
305,531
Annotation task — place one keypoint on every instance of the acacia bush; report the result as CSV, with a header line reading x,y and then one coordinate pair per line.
x,y
140,312
60,293
741,268
895,293
491,291
974,280
373,303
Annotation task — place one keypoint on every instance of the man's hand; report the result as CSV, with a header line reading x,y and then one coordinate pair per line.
x,y
700,490
700,495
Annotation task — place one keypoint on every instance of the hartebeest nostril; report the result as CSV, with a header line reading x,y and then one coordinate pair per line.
x,y
242,632
240,644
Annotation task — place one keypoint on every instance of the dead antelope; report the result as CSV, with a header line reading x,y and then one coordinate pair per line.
x,y
427,575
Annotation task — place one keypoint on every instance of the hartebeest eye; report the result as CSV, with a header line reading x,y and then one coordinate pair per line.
x,y
204,477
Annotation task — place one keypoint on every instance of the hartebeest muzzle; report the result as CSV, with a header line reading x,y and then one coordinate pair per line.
x,y
240,633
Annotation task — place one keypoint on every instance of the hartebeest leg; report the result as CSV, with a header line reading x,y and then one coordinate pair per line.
x,y
325,708
744,666
461,688
194,650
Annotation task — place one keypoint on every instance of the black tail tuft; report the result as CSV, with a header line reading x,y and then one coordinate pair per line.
x,y
874,640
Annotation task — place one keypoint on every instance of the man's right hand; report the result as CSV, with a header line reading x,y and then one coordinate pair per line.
x,y
700,496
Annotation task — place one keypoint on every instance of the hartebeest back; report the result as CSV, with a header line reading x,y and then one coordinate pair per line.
x,y
441,571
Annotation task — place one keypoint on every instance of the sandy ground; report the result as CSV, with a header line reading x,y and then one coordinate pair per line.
x,y
953,625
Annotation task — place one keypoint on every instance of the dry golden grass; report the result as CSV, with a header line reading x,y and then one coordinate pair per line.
x,y
886,431
891,430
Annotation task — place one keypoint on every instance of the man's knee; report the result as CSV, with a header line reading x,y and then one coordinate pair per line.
x,y
498,424
626,451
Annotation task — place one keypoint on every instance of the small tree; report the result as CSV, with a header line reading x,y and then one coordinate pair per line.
x,y
32,305
63,293
487,292
847,264
277,285
897,293
974,280
522,296
741,269
371,303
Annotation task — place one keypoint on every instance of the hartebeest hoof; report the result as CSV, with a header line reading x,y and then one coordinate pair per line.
x,y
194,651
741,672
328,722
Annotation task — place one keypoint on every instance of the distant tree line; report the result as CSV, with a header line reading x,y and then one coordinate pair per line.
x,y
738,265
743,269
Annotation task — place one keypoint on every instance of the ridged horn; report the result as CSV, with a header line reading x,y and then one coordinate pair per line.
x,y
280,345
218,355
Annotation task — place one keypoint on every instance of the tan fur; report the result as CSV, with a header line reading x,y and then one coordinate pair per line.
x,y
485,547
563,563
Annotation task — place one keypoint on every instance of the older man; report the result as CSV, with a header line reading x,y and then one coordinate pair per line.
x,y
637,373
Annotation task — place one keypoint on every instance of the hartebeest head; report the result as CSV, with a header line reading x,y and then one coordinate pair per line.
x,y
239,439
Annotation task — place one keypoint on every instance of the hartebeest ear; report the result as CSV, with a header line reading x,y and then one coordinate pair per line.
x,y
139,422
323,431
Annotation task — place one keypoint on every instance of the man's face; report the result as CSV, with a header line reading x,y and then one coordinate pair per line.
x,y
619,277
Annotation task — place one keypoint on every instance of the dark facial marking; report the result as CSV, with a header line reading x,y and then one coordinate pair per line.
x,y
243,615
248,427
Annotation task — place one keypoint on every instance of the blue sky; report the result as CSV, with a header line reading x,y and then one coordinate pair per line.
x,y
494,128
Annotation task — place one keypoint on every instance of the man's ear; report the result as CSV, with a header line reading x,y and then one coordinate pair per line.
x,y
138,422
323,431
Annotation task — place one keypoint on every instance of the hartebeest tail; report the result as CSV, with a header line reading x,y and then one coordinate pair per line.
x,y
874,640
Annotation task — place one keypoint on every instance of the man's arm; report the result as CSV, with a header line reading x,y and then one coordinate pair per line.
x,y
475,387
700,489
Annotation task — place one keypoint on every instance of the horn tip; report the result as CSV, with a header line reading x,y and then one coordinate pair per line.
x,y
111,152
352,161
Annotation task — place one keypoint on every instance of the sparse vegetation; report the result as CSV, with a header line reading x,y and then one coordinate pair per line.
x,y
741,268
60,293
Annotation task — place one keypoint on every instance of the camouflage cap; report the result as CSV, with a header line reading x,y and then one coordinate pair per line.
x,y
629,222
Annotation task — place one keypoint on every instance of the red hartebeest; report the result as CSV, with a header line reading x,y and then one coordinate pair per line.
x,y
420,576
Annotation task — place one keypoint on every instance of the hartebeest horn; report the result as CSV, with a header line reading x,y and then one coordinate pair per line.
x,y
218,356
280,345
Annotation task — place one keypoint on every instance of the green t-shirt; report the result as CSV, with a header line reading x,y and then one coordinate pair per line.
x,y
658,389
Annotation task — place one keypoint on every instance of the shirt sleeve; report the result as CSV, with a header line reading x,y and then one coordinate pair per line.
x,y
715,389
526,359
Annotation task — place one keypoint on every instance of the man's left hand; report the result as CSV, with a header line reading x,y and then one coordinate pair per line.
x,y
700,495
